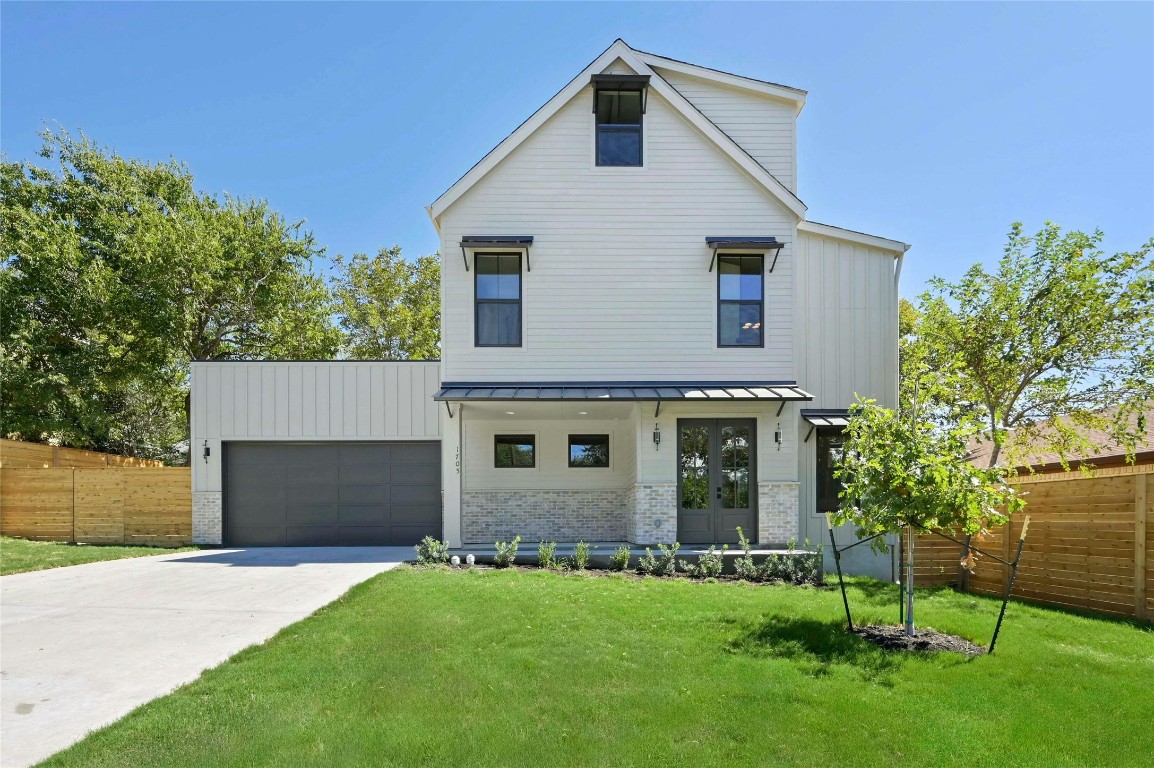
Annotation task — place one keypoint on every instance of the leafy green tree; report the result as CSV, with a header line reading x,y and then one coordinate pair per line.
x,y
902,473
1058,339
116,273
389,307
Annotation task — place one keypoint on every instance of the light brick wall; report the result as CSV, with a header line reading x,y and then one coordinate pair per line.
x,y
777,512
589,515
653,518
206,517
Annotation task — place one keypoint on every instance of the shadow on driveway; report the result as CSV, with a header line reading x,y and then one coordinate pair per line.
x,y
288,557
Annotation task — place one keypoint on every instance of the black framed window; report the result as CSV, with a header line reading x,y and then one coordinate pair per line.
x,y
619,127
830,447
497,292
588,450
740,301
514,451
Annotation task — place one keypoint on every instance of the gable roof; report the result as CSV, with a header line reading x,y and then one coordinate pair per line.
x,y
795,96
620,50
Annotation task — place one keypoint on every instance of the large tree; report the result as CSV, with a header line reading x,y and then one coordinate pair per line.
x,y
1054,341
116,273
389,307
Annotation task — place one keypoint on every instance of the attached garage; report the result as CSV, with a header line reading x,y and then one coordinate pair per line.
x,y
316,453
331,494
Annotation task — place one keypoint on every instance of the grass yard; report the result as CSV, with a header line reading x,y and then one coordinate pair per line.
x,y
22,555
511,668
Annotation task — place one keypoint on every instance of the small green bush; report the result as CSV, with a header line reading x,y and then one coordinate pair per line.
x,y
581,556
619,560
432,551
744,566
506,552
546,552
664,564
708,565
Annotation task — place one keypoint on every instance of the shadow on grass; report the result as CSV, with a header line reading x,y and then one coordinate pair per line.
x,y
818,647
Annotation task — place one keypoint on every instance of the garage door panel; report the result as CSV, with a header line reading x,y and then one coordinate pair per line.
x,y
302,494
364,473
312,536
364,535
415,494
414,474
312,514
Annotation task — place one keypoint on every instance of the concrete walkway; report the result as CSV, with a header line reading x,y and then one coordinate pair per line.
x,y
82,646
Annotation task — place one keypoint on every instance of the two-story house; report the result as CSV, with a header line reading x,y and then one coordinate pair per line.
x,y
644,339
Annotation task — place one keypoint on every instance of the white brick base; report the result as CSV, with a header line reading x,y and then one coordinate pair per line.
x,y
589,515
777,512
206,517
653,518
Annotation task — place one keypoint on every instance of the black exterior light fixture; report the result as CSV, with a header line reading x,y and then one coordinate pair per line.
x,y
777,436
656,437
206,452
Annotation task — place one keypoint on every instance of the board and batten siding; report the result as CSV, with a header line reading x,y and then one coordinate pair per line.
x,y
764,127
307,401
619,287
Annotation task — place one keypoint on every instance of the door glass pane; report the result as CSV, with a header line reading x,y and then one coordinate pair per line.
x,y
694,467
735,467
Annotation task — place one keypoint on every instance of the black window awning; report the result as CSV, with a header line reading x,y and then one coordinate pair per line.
x,y
752,243
620,82
512,242
837,418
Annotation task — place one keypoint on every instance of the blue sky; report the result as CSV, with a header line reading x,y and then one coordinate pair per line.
x,y
936,124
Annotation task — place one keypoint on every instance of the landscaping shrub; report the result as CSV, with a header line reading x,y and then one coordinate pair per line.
x,y
506,552
664,564
432,552
744,566
545,554
619,560
708,565
581,556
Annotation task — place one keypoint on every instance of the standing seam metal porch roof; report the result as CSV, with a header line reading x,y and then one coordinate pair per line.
x,y
826,417
620,390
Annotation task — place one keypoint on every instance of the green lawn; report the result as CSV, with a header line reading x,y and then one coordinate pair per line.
x,y
21,555
508,668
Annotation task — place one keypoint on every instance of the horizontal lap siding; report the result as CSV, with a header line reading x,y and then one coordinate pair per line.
x,y
764,127
619,287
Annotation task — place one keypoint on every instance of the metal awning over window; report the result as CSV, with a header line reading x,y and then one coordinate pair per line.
x,y
508,242
757,243
837,418
659,391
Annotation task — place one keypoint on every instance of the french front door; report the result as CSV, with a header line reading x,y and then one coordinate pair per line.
x,y
716,480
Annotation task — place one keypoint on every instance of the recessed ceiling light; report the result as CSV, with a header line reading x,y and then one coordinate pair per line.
x,y
582,413
510,413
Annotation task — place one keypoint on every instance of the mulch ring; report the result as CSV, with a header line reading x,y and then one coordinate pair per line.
x,y
893,638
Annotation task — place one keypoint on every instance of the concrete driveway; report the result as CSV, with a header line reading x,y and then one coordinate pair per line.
x,y
82,646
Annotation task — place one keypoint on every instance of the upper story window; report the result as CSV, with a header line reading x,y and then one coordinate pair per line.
x,y
740,301
619,103
497,294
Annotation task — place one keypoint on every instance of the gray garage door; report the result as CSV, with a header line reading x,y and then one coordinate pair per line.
x,y
331,494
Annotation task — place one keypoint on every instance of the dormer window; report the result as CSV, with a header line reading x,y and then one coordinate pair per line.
x,y
618,106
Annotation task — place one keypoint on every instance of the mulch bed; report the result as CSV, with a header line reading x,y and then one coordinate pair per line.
x,y
893,638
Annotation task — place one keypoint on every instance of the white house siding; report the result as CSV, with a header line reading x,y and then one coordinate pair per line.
x,y
619,287
846,342
765,127
300,401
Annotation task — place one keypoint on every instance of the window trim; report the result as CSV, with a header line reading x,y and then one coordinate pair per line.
x,y
524,437
761,302
586,435
619,126
477,301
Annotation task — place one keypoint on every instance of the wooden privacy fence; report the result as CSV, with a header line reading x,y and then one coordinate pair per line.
x,y
115,505
16,454
1090,544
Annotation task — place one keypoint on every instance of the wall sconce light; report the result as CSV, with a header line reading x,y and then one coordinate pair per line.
x,y
206,452
656,437
777,436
